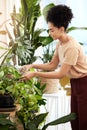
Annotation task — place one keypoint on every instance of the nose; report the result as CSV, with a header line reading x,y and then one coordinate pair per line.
x,y
49,32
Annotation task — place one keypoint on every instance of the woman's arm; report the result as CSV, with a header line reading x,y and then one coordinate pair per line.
x,y
53,74
52,65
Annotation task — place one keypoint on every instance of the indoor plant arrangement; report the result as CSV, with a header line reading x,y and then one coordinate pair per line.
x,y
28,94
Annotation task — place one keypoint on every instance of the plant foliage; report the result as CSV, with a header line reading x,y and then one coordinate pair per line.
x,y
26,38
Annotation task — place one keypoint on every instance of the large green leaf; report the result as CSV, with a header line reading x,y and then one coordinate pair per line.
x,y
39,119
46,9
4,121
64,119
32,126
4,115
76,28
30,14
45,40
6,127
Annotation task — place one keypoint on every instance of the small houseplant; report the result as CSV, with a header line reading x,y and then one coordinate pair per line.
x,y
8,76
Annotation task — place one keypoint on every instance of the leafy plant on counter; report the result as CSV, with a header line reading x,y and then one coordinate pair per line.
x,y
31,100
29,94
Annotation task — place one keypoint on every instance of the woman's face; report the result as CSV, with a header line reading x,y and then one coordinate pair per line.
x,y
54,31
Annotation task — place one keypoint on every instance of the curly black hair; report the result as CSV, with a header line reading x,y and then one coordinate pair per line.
x,y
60,15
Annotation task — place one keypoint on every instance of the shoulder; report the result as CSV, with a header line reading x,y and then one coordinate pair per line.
x,y
74,43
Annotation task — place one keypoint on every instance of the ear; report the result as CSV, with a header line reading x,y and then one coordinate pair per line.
x,y
62,29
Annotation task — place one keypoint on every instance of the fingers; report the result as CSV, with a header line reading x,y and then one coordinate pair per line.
x,y
23,78
22,70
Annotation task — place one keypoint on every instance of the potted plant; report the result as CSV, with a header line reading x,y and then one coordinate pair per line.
x,y
8,77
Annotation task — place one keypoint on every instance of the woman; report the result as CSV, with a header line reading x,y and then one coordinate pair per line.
x,y
73,61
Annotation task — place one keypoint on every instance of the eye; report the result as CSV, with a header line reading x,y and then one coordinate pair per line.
x,y
51,30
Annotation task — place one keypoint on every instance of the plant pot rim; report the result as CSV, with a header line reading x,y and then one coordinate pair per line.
x,y
10,109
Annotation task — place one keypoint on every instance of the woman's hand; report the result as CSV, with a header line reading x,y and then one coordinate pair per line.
x,y
25,68
27,76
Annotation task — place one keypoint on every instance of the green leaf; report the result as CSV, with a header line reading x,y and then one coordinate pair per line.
x,y
32,126
4,121
1,74
46,40
75,28
46,9
39,119
4,115
6,127
64,119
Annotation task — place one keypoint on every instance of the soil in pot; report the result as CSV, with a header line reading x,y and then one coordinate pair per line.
x,y
6,101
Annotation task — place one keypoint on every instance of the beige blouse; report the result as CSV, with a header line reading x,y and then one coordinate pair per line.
x,y
72,53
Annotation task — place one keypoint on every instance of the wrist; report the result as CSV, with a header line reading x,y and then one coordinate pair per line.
x,y
32,65
35,74
29,66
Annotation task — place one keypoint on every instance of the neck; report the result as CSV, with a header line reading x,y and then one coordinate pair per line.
x,y
64,39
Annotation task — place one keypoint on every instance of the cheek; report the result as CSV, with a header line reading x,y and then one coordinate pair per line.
x,y
55,35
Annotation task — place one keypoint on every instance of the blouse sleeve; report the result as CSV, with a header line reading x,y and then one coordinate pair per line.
x,y
71,56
